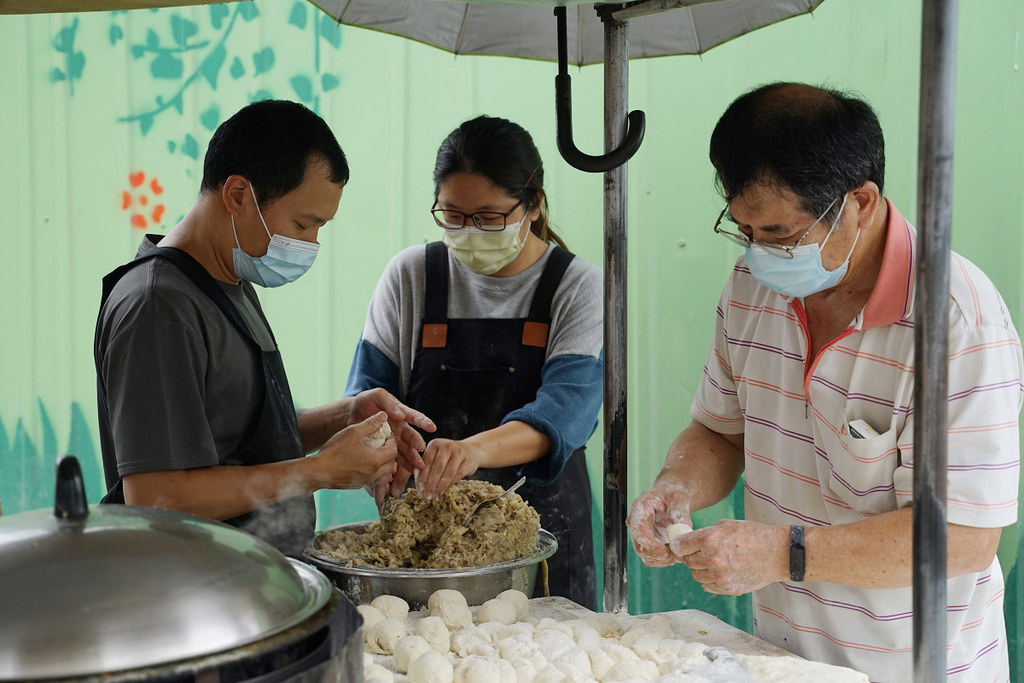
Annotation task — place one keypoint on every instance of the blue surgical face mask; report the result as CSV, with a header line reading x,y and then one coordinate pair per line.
x,y
286,259
801,275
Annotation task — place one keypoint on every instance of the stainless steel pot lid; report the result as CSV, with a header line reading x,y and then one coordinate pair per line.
x,y
115,587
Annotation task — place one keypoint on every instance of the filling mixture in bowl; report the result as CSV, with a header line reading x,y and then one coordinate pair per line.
x,y
413,532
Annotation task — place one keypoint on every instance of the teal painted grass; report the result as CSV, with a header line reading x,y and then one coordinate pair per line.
x,y
27,465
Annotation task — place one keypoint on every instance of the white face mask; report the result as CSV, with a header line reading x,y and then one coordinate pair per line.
x,y
286,259
483,251
802,274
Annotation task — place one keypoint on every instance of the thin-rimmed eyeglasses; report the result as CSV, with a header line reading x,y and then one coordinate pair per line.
x,y
490,221
780,250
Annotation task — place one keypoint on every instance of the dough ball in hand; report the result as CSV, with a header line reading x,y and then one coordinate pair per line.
x,y
377,439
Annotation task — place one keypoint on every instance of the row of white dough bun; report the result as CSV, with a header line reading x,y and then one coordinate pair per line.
x,y
503,643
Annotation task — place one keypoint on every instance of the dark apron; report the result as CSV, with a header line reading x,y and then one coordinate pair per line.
x,y
274,437
469,373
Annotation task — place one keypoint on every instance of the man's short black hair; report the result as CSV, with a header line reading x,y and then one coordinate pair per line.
x,y
270,143
818,142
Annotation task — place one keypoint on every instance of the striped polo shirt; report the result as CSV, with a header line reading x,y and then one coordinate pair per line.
x,y
803,466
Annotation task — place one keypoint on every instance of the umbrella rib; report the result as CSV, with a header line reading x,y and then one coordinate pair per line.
x,y
462,30
693,27
341,14
579,35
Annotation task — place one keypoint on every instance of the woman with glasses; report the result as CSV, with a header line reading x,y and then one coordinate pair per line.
x,y
495,332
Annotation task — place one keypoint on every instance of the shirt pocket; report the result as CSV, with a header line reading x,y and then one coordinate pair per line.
x,y
860,469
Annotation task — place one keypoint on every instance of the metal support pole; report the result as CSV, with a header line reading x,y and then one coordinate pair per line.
x,y
934,216
616,95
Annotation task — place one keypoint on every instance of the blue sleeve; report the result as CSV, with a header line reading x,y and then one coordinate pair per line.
x,y
371,369
565,410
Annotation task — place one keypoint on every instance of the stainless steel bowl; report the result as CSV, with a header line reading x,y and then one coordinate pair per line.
x,y
363,583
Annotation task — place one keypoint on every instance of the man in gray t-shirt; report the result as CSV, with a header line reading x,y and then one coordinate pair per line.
x,y
194,406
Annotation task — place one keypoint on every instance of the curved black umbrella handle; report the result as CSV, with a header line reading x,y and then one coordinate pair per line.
x,y
635,122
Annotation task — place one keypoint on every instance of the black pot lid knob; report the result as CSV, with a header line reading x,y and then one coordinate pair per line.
x,y
69,500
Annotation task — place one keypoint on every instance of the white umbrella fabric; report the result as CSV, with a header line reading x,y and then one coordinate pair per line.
x,y
524,28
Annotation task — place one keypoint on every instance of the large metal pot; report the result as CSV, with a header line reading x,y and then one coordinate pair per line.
x,y
125,593
363,583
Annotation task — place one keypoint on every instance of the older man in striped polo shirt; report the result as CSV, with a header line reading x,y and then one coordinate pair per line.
x,y
808,392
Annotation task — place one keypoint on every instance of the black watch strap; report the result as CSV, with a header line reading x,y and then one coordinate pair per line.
x,y
797,553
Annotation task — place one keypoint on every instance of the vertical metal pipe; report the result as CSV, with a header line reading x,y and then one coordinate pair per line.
x,y
934,217
616,95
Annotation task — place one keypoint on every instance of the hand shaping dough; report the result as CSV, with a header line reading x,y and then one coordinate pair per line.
x,y
391,606
674,531
407,650
377,439
382,636
431,667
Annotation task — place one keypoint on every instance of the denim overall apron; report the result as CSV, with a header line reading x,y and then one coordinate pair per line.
x,y
287,525
469,373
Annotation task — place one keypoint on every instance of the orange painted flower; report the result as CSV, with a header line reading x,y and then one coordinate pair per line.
x,y
137,200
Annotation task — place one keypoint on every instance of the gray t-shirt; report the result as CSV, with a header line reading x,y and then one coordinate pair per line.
x,y
183,386
395,313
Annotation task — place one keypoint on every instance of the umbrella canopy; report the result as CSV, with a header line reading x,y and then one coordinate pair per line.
x,y
524,28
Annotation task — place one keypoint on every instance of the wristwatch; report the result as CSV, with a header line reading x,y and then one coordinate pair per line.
x,y
797,553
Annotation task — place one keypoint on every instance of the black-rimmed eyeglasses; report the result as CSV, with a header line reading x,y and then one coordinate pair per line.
x,y
491,221
781,250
